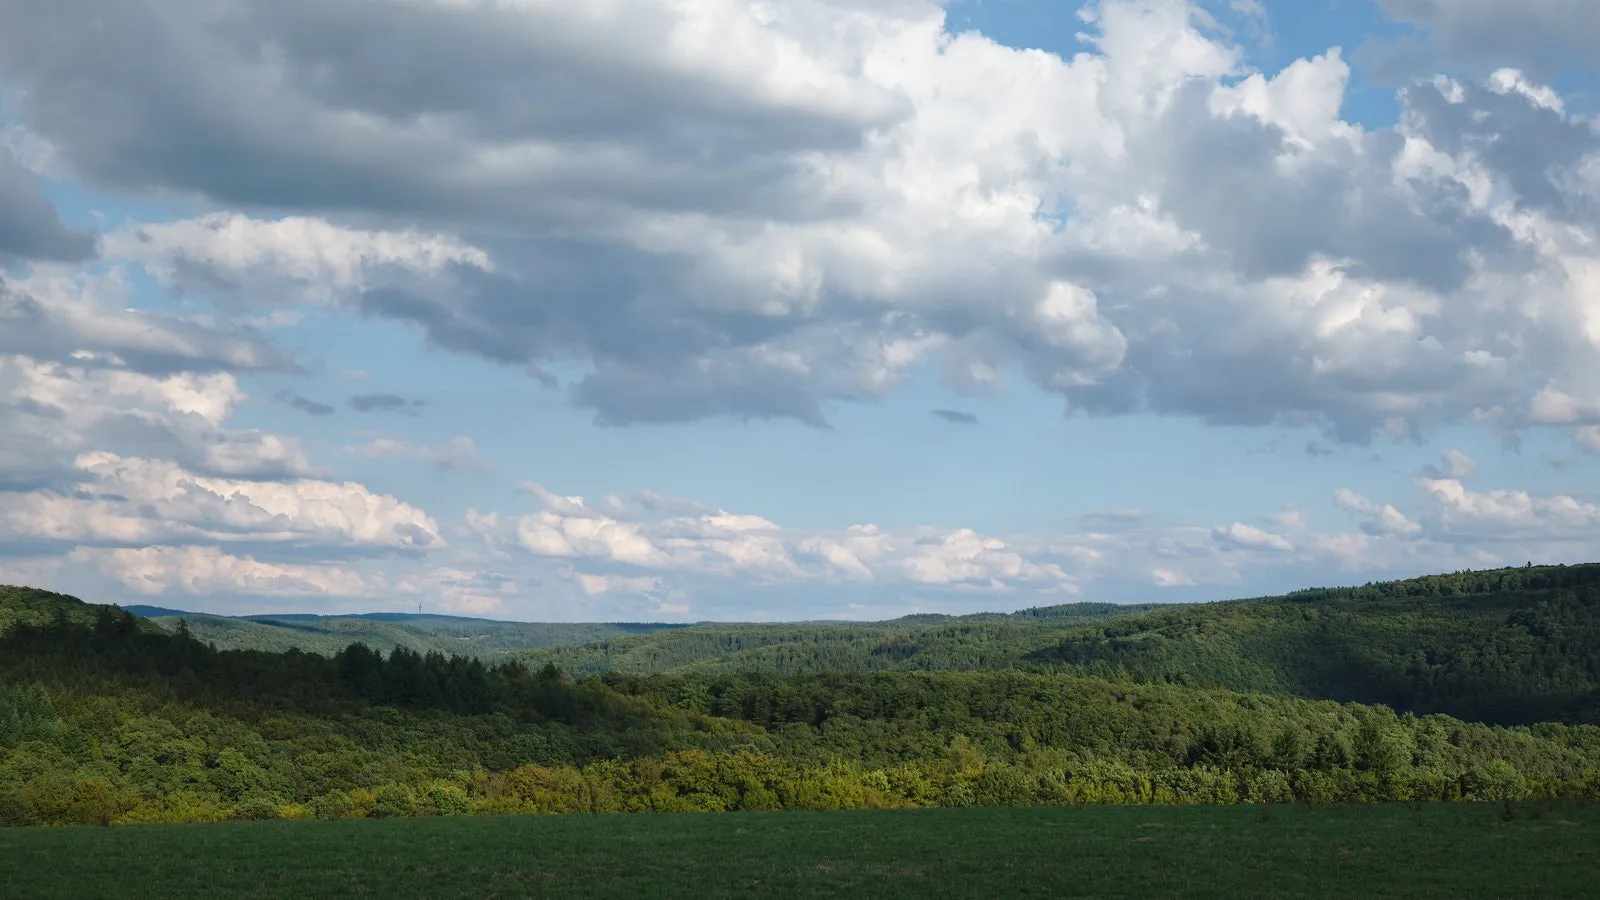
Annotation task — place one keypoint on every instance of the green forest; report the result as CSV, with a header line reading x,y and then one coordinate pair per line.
x,y
1472,686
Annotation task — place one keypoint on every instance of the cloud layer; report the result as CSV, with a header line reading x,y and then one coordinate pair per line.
x,y
1147,225
682,211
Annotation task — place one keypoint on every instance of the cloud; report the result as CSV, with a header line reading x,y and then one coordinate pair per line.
x,y
956,416
60,317
1248,536
724,210
271,260
381,403
50,412
30,227
135,502
1379,519
1460,513
1167,578
309,407
1452,513
458,454
1455,464
801,221
202,571
1588,438
241,581
595,585
1534,34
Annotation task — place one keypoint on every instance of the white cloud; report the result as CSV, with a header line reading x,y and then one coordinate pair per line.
x,y
49,411
1240,535
51,315
239,579
1456,465
1380,519
595,585
137,501
1167,578
1501,515
852,191
276,258
203,571
726,209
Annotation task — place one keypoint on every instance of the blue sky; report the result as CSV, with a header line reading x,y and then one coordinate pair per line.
x,y
792,312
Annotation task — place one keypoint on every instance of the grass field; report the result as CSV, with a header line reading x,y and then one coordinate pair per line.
x,y
1374,851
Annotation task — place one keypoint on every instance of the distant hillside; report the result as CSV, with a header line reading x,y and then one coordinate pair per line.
x,y
983,641
151,612
327,635
488,638
1509,645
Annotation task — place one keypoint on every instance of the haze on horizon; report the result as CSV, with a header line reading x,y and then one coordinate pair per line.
x,y
652,310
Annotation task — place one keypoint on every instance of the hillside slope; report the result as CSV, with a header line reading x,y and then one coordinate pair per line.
x,y
1508,645
327,635
27,606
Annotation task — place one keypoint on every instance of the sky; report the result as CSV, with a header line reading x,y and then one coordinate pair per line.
x,y
683,310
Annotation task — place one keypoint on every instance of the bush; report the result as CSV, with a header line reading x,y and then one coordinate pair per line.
x,y
339,805
394,801
255,809
441,798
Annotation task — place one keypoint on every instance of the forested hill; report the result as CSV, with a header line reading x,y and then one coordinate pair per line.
x,y
112,722
327,635
26,606
1509,645
490,639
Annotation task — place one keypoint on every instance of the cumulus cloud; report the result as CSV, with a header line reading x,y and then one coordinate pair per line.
x,y
202,571
1500,515
272,260
49,412
241,579
1454,465
730,210
1249,536
684,539
763,231
60,317
1379,519
134,502
1450,512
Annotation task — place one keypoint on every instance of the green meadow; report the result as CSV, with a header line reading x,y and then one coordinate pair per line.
x,y
1385,850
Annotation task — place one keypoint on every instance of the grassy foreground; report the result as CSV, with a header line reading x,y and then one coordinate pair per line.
x,y
1374,851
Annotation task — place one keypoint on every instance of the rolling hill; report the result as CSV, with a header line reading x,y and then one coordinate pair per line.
x,y
327,635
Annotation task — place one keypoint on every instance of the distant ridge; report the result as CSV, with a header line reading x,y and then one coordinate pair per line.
x,y
153,612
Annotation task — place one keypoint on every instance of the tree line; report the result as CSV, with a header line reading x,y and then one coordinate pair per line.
x,y
103,719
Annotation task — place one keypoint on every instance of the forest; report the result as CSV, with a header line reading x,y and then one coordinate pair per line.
x,y
1471,686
